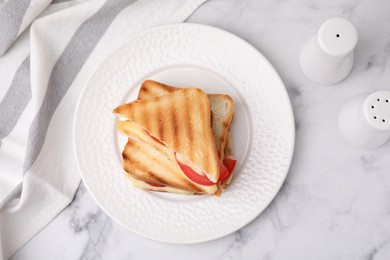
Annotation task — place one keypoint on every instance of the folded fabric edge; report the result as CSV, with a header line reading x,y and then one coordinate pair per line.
x,y
41,219
14,194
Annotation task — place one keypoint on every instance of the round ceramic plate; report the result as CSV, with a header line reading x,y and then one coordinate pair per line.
x,y
262,131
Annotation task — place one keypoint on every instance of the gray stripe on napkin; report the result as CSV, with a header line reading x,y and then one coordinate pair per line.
x,y
16,99
11,17
65,71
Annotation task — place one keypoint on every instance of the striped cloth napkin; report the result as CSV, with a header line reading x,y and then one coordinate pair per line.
x,y
48,50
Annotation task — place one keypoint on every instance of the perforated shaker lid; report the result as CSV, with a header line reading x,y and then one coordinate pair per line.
x,y
377,110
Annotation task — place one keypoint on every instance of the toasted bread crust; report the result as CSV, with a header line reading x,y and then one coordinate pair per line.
x,y
181,120
228,147
222,107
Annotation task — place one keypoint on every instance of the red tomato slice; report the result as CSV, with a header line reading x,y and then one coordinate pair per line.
x,y
193,176
154,184
230,164
223,172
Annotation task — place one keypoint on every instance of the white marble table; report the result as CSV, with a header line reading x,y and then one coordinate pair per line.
x,y
335,203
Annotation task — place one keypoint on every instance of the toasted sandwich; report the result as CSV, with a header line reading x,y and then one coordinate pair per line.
x,y
150,147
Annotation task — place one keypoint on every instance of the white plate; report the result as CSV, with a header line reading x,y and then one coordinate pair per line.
x,y
262,131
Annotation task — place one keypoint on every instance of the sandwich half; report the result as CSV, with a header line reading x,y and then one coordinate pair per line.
x,y
180,120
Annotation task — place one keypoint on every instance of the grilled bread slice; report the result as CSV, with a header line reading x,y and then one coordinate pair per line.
x,y
181,120
150,161
222,107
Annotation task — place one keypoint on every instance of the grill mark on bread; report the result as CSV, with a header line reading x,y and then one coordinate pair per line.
x,y
188,133
174,125
128,161
155,177
217,143
160,125
222,141
170,121
205,127
211,118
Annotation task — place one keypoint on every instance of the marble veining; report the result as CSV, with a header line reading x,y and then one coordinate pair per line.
x,y
94,222
335,201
